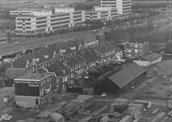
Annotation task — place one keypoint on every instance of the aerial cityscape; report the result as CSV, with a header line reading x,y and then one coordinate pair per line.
x,y
85,60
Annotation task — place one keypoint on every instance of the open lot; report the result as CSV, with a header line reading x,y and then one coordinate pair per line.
x,y
157,89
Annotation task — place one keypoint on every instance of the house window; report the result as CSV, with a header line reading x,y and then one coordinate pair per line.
x,y
136,51
136,45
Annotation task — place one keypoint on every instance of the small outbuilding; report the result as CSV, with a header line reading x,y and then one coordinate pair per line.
x,y
148,60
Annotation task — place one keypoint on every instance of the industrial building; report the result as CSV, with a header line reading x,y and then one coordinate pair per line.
x,y
122,79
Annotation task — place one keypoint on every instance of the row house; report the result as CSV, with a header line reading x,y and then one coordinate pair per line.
x,y
62,73
68,70
35,89
103,52
39,58
43,57
89,56
76,64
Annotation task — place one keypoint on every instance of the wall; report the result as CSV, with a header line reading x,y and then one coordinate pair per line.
x,y
14,72
142,63
25,101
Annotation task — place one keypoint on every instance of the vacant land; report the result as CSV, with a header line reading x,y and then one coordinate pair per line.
x,y
158,89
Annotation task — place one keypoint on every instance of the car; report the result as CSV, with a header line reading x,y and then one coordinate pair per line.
x,y
95,31
103,28
6,117
103,95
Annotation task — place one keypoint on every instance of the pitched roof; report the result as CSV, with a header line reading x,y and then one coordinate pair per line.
x,y
72,47
165,65
42,55
88,55
53,48
101,48
63,46
74,61
58,68
127,75
21,62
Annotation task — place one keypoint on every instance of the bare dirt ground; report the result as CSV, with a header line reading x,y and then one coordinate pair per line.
x,y
159,88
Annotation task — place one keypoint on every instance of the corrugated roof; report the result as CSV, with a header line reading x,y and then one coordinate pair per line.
x,y
127,75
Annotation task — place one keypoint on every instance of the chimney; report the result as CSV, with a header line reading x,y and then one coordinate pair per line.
x,y
8,37
63,71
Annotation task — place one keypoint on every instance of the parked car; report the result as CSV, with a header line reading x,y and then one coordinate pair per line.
x,y
6,117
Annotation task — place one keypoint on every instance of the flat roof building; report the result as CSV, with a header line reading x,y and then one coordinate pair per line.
x,y
123,6
101,13
34,89
34,24
41,21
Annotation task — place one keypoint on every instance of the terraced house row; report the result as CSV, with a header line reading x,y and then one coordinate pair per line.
x,y
56,68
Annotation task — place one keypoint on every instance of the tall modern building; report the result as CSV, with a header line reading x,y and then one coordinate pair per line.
x,y
101,13
123,6
30,22
37,21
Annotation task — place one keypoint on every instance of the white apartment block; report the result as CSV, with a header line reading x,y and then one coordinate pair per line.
x,y
34,24
122,6
101,13
111,3
36,21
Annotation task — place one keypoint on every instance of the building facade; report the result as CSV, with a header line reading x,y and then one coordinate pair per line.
x,y
132,50
42,21
32,23
101,13
34,89
123,6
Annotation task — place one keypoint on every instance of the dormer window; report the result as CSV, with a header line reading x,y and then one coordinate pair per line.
x,y
36,59
46,56
73,48
63,51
